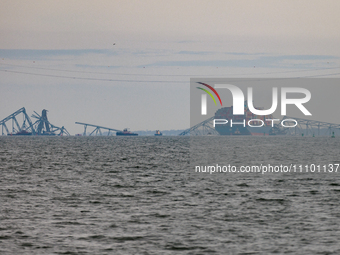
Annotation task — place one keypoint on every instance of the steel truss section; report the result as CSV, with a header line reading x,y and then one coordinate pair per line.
x,y
15,126
98,129
44,127
204,128
306,127
40,127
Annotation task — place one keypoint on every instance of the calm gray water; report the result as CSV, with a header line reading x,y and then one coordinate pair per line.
x,y
141,195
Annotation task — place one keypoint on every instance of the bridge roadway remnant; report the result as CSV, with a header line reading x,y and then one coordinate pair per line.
x,y
97,130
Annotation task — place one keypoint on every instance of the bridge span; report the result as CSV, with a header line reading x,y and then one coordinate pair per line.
x,y
98,129
304,127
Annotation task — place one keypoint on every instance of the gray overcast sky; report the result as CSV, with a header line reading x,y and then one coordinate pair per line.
x,y
128,63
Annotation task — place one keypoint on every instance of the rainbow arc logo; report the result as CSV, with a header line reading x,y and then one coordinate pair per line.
x,y
204,97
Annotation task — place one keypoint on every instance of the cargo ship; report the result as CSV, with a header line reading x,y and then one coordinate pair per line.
x,y
259,126
158,133
125,132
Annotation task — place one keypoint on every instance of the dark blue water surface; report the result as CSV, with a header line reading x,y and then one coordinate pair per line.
x,y
141,195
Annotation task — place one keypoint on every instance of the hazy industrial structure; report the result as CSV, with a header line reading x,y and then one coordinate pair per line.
x,y
13,125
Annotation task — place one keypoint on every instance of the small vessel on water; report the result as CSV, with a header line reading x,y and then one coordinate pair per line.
x,y
125,132
158,133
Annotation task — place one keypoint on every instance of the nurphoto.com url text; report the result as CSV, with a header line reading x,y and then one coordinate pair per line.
x,y
269,168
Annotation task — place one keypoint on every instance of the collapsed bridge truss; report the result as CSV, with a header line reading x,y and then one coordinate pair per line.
x,y
98,129
304,127
13,125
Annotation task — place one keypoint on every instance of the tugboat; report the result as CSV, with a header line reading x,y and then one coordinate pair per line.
x,y
158,133
125,132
